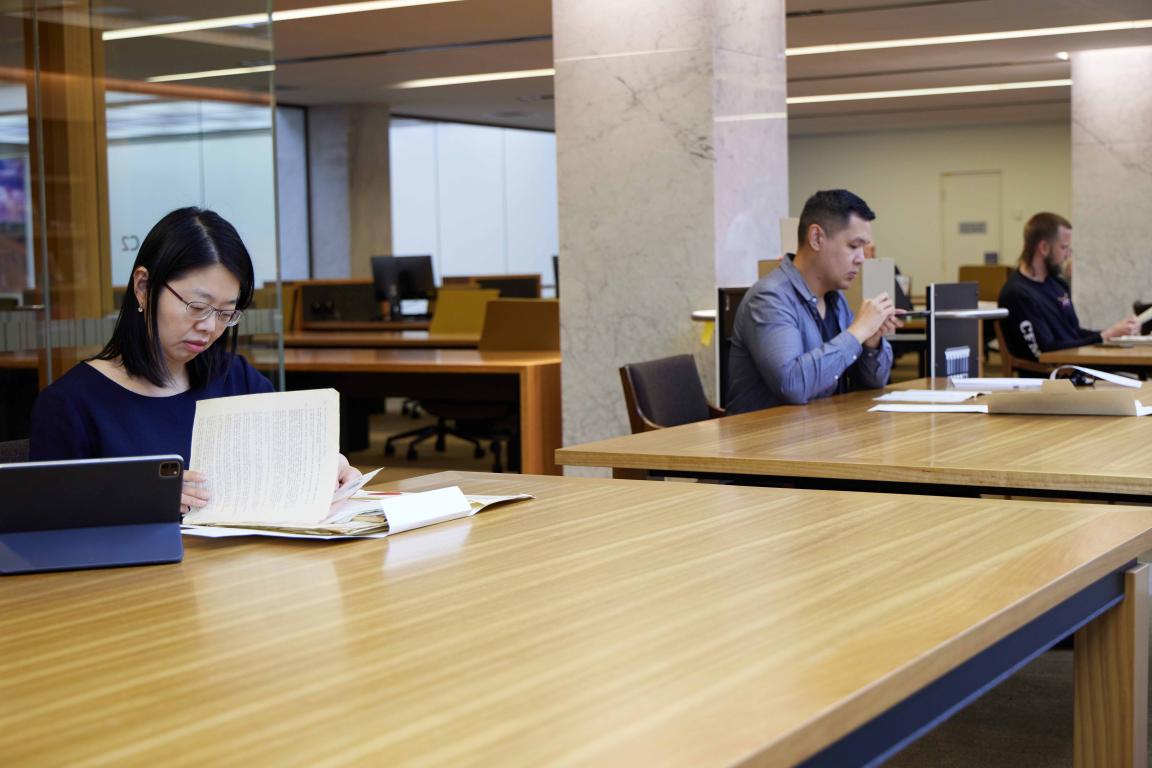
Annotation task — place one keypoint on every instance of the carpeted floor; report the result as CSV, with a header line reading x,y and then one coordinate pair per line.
x,y
1026,722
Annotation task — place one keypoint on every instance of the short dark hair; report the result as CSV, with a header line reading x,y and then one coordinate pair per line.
x,y
186,239
830,208
1041,228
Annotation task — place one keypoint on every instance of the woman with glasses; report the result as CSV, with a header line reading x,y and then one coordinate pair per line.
x,y
190,284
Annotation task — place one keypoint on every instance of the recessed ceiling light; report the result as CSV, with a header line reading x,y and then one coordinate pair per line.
x,y
211,73
250,19
432,82
864,95
1062,55
981,37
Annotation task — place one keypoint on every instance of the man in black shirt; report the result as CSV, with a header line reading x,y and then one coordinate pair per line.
x,y
1040,313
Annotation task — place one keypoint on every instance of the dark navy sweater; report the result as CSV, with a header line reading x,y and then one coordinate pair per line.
x,y
86,415
1041,317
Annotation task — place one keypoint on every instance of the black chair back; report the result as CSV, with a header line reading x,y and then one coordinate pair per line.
x,y
664,393
14,451
728,301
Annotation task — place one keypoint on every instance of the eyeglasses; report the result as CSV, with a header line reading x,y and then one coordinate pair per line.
x,y
198,310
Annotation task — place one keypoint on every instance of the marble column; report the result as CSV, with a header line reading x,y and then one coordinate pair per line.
x,y
1111,182
673,174
349,188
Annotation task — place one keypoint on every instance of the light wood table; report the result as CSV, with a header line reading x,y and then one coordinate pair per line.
x,y
604,622
836,443
1135,357
382,339
531,380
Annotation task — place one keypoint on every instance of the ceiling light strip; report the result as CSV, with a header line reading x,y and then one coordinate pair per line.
x,y
211,73
250,19
981,37
432,82
945,90
751,116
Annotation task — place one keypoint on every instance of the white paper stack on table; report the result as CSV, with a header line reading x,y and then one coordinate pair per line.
x,y
1039,396
271,463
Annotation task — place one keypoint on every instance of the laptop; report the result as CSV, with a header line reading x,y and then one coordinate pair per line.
x,y
90,513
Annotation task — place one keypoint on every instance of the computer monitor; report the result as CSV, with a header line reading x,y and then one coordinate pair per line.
x,y
397,278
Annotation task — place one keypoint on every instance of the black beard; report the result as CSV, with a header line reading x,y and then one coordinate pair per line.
x,y
1054,269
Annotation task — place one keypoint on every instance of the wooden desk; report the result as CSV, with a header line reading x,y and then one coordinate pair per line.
x,y
836,443
604,622
1136,357
336,326
531,379
382,339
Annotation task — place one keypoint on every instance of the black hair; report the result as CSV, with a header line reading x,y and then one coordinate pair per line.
x,y
186,239
831,208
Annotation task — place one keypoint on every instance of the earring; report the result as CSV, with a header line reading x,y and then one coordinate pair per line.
x,y
139,309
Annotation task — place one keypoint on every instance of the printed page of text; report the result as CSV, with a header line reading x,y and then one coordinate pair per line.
x,y
269,457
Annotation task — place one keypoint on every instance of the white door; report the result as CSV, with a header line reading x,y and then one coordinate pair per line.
x,y
970,217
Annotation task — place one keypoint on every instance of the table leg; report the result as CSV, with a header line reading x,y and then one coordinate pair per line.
x,y
1111,668
540,430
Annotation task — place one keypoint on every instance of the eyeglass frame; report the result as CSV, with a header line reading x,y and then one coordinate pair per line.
x,y
211,311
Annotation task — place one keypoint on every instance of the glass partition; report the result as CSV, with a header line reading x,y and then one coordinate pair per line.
x,y
111,115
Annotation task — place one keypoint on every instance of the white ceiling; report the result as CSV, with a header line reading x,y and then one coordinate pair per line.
x,y
331,60
354,58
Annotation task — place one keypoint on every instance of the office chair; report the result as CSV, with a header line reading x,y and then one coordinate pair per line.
x,y
510,325
665,393
457,311
1009,364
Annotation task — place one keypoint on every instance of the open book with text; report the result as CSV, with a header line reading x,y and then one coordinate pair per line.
x,y
271,461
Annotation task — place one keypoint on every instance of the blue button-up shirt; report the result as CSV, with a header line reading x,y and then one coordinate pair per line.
x,y
778,354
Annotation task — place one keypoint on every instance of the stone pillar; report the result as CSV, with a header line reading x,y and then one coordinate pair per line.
x,y
673,174
1111,182
349,188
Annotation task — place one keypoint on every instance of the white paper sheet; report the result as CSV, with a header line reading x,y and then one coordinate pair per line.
x,y
926,396
1112,378
269,457
413,510
996,384
928,408
1128,340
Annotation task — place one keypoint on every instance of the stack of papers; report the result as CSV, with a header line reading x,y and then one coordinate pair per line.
x,y
926,396
271,463
995,384
1127,341
368,514
928,408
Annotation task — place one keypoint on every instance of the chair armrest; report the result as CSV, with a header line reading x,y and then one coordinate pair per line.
x,y
714,412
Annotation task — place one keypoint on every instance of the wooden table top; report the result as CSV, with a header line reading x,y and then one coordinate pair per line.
x,y
382,339
607,622
339,326
837,438
403,360
1136,356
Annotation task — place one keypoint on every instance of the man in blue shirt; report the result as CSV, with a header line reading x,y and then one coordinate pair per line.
x,y
1041,317
794,338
